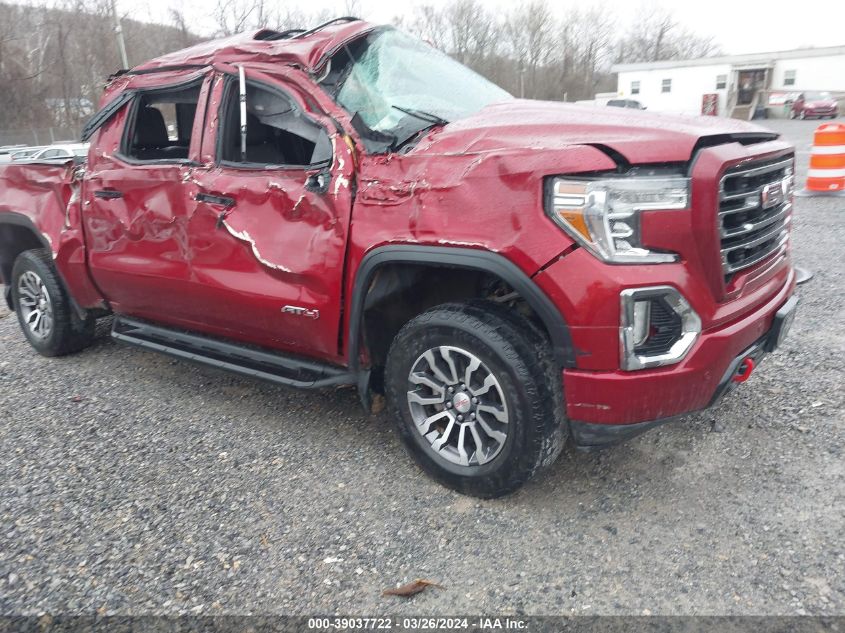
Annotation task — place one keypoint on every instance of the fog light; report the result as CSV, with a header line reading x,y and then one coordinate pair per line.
x,y
657,327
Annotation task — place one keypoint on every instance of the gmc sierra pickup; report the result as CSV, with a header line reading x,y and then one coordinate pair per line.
x,y
348,206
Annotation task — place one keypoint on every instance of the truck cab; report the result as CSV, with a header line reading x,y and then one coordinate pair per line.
x,y
348,206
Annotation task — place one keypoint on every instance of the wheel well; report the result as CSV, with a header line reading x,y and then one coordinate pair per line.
x,y
401,291
14,240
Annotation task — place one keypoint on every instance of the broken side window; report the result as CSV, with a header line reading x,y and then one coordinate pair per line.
x,y
161,124
277,131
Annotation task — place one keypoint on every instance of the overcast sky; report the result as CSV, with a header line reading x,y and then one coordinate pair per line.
x,y
740,26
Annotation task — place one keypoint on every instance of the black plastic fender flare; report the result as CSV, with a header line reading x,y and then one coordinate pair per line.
x,y
19,219
474,259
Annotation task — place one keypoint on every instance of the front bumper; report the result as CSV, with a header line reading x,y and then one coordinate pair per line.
x,y
607,406
589,436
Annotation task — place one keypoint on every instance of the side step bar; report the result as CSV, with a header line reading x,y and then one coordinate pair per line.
x,y
247,361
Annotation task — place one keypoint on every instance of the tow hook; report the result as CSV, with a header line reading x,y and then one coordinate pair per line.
x,y
744,371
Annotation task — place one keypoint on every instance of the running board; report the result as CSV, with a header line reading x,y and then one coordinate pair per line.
x,y
247,361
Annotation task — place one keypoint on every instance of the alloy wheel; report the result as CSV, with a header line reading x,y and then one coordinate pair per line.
x,y
36,307
458,406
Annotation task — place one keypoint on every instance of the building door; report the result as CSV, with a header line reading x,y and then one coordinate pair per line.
x,y
749,84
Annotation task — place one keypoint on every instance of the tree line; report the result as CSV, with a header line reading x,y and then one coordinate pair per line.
x,y
54,58
538,53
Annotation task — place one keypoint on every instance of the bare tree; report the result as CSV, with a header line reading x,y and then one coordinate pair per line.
x,y
55,57
180,23
656,35
431,25
353,8
234,16
529,32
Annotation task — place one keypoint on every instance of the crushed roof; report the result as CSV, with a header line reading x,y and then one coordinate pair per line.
x,y
306,50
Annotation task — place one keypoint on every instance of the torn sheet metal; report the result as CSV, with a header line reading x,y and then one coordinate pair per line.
x,y
246,237
47,196
307,53
490,199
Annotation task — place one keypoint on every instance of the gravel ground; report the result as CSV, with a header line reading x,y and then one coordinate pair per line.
x,y
132,483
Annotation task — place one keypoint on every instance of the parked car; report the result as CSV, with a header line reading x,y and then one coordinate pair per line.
x,y
61,152
6,152
814,104
25,153
508,274
626,103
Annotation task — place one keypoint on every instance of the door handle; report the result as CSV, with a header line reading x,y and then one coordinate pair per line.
x,y
108,194
223,201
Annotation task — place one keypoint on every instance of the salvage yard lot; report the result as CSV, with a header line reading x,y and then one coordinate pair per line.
x,y
132,483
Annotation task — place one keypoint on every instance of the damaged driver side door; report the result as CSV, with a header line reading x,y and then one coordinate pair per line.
x,y
268,235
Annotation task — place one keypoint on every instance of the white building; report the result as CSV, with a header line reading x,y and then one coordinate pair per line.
x,y
736,81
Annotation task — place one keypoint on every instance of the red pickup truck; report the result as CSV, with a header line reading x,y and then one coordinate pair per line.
x,y
348,206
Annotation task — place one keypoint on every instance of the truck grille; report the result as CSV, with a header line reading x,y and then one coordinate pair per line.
x,y
755,209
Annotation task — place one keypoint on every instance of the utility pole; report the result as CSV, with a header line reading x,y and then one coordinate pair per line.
x,y
118,30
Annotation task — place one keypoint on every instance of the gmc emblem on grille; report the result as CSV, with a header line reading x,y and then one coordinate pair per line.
x,y
771,195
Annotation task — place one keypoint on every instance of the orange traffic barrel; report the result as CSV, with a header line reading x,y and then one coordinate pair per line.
x,y
827,159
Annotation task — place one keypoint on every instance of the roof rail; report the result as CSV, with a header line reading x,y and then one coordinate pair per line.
x,y
346,18
269,35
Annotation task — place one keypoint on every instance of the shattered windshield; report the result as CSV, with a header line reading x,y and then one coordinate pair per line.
x,y
393,77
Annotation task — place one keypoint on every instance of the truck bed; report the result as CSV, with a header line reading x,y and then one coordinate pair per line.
x,y
34,208
40,192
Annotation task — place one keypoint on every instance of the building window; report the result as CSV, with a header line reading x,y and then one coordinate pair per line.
x,y
789,78
635,87
721,82
667,86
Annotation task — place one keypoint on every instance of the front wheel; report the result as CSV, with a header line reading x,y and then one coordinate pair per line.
x,y
476,397
43,307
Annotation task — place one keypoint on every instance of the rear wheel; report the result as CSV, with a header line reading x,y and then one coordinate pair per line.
x,y
43,307
476,397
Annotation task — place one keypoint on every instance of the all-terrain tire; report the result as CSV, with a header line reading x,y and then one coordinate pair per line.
x,y
34,272
518,356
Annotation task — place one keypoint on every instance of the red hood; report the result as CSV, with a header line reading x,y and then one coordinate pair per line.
x,y
641,137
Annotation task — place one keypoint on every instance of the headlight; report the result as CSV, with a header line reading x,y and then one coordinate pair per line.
x,y
604,215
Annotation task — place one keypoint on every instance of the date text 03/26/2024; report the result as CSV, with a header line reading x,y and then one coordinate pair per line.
x,y
417,624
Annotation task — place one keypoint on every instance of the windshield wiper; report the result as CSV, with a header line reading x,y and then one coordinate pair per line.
x,y
406,133
428,117
382,140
